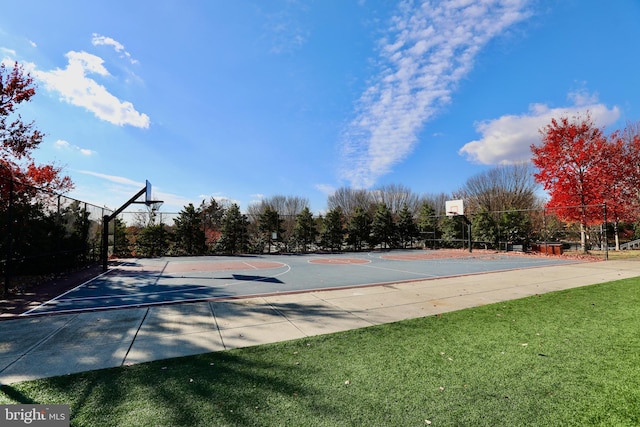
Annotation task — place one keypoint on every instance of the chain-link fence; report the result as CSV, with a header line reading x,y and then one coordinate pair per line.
x,y
44,233
145,218
548,230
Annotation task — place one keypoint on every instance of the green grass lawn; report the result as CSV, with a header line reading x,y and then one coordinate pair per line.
x,y
566,358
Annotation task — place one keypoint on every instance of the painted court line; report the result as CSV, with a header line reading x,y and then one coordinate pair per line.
x,y
65,293
142,295
250,266
415,273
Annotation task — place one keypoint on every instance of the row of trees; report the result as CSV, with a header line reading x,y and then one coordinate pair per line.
x,y
214,228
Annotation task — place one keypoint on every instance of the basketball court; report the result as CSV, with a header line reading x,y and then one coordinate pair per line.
x,y
293,297
170,280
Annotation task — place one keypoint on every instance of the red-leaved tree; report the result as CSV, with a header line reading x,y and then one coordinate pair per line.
x,y
18,140
572,164
621,182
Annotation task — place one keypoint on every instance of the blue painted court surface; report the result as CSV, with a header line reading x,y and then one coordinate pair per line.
x,y
144,282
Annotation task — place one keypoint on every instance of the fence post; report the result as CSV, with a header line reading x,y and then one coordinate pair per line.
x,y
85,234
546,232
9,266
606,239
105,243
58,233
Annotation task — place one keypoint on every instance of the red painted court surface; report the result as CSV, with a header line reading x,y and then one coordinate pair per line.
x,y
328,260
145,282
441,254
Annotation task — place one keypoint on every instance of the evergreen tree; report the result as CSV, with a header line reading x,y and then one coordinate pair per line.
x,y
451,230
382,226
428,223
407,229
485,228
332,234
235,235
305,231
270,223
121,243
516,227
212,214
358,229
189,233
152,241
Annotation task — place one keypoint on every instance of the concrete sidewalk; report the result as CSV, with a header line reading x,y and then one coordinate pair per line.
x,y
38,347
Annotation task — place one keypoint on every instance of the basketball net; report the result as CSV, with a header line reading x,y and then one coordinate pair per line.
x,y
152,210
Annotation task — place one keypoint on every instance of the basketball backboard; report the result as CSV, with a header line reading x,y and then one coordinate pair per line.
x,y
147,194
454,207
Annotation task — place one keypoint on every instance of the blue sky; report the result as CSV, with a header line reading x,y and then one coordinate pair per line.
x,y
247,99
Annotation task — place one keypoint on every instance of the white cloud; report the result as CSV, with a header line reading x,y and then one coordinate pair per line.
x,y
326,189
286,28
77,88
65,145
508,139
62,144
173,202
431,47
122,188
99,40
113,178
10,52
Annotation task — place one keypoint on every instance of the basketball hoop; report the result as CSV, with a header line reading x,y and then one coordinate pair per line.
x,y
454,207
154,205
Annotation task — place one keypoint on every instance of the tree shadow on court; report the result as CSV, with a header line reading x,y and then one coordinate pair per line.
x,y
124,289
251,278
